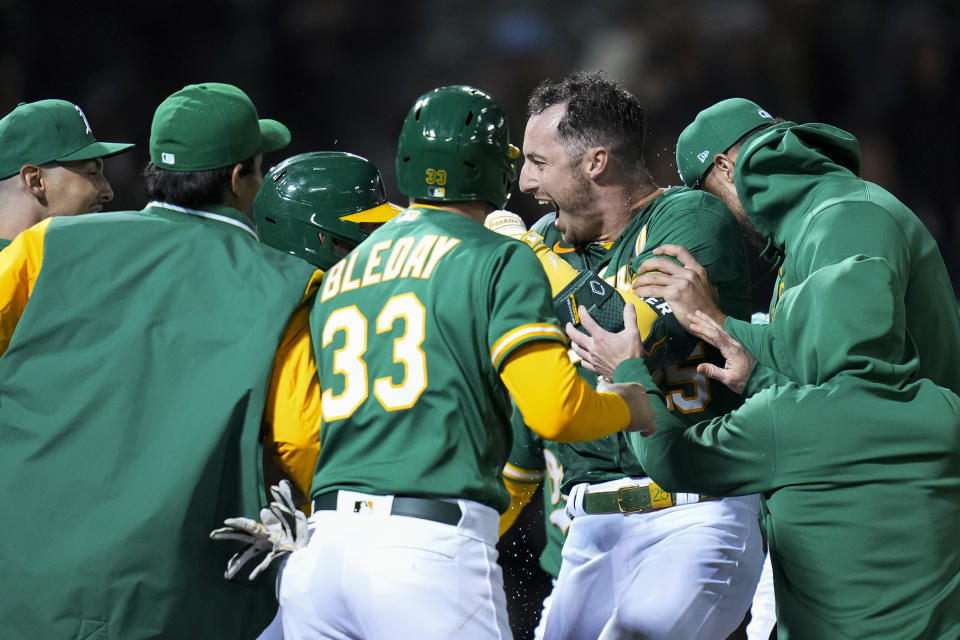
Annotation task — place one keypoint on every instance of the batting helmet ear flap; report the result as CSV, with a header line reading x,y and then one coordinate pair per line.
x,y
454,146
323,192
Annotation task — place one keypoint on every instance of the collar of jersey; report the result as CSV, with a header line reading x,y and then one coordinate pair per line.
x,y
218,212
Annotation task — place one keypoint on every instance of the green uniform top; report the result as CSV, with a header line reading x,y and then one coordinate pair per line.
x,y
411,330
821,213
131,397
538,460
4,243
858,461
702,224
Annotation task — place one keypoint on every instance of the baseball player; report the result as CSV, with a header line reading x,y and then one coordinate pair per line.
x,y
419,334
637,561
136,352
50,165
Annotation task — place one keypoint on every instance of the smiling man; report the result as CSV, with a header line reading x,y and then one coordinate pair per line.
x,y
637,561
50,165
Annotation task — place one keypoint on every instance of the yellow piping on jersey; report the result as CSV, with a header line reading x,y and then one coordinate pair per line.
x,y
521,475
521,333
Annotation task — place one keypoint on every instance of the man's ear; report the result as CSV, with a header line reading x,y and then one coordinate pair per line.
x,y
32,179
595,161
723,164
236,175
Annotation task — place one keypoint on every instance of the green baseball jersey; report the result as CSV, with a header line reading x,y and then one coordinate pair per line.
x,y
132,395
4,243
533,460
701,223
410,331
856,457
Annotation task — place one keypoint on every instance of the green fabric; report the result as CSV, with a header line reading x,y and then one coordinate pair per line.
x,y
47,130
858,462
452,439
131,398
4,243
701,223
713,131
798,185
533,453
210,126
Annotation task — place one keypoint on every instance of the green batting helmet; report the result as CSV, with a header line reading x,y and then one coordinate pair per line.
x,y
328,192
455,146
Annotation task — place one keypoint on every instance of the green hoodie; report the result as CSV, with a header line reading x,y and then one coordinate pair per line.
x,y
858,463
798,185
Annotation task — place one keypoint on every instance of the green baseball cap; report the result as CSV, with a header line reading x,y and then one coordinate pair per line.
x,y
48,131
713,131
210,126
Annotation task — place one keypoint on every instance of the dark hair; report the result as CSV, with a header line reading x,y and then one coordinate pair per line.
x,y
191,189
600,112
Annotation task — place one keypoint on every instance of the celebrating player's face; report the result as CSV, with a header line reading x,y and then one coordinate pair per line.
x,y
76,187
553,178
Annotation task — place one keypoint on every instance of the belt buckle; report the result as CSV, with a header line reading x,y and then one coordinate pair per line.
x,y
620,499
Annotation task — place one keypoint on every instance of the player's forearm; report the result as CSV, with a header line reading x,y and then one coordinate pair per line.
x,y
556,403
716,457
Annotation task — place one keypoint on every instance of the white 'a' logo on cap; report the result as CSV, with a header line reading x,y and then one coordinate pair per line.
x,y
86,122
703,155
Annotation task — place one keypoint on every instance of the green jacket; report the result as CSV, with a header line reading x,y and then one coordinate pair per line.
x,y
798,185
131,397
858,462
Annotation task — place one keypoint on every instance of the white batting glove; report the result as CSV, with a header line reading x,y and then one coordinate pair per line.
x,y
506,223
283,529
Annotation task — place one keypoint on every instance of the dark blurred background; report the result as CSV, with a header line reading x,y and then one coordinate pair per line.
x,y
342,74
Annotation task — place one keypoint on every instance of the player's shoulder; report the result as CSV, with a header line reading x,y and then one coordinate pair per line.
x,y
683,201
545,227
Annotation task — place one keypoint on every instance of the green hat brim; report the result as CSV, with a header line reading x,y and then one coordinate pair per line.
x,y
273,136
96,150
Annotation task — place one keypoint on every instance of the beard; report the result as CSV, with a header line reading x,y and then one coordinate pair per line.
x,y
580,227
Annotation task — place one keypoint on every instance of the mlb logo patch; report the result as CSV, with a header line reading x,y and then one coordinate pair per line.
x,y
363,506
168,158
436,192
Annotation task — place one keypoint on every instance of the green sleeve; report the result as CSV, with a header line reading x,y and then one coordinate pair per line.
x,y
754,338
729,455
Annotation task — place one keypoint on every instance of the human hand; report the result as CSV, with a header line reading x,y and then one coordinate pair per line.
x,y
603,351
642,416
739,363
686,286
283,529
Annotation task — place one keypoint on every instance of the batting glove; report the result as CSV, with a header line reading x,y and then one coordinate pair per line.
x,y
507,223
283,529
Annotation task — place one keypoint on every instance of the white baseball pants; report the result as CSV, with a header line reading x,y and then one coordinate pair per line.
x,y
679,573
373,576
